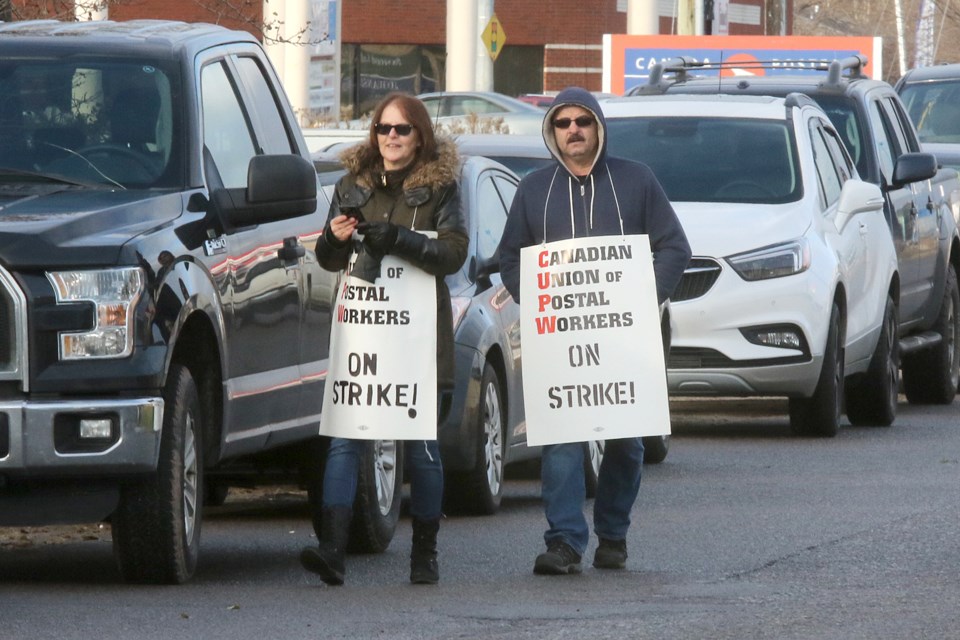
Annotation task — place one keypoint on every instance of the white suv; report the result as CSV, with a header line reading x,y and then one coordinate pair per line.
x,y
793,286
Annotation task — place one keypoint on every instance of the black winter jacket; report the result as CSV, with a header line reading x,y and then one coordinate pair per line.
x,y
430,201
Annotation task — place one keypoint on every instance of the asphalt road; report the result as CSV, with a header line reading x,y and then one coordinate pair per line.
x,y
743,532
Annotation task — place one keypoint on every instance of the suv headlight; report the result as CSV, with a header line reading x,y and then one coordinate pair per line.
x,y
114,293
775,261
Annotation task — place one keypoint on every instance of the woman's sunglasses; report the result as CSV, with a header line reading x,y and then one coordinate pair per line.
x,y
582,122
383,128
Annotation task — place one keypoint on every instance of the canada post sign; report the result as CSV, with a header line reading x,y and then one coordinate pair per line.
x,y
627,60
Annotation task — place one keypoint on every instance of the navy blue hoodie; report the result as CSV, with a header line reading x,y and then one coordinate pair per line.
x,y
618,197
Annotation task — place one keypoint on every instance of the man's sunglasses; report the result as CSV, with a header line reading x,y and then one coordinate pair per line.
x,y
383,128
582,121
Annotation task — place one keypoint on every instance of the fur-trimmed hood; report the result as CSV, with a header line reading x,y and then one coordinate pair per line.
x,y
364,162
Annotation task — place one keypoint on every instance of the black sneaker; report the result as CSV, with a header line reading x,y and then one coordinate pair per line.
x,y
559,559
611,554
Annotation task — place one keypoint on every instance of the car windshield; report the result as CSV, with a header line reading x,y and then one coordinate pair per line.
x,y
90,121
706,159
935,109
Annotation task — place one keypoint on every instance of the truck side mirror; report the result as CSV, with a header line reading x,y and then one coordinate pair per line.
x,y
278,187
913,167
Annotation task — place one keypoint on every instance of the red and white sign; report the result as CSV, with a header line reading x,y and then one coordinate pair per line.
x,y
592,350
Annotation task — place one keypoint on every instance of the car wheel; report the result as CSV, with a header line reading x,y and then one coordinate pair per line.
x,y
376,509
156,527
480,490
592,457
931,376
872,398
655,449
819,415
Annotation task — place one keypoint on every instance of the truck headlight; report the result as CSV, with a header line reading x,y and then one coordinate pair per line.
x,y
775,261
114,293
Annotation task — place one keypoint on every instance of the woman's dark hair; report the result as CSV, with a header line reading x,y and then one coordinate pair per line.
x,y
416,114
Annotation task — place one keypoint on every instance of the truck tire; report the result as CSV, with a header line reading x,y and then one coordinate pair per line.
x,y
376,509
931,376
872,398
819,415
156,527
479,491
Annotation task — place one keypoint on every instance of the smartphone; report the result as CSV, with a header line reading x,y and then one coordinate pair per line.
x,y
356,214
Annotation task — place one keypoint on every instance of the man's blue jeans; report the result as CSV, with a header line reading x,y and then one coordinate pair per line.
x,y
423,465
564,491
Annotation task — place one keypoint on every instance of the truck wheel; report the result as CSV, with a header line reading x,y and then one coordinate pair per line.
x,y
156,527
655,449
872,399
819,415
931,376
376,509
592,457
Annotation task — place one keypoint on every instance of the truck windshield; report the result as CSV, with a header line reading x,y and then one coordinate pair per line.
x,y
705,159
90,121
935,108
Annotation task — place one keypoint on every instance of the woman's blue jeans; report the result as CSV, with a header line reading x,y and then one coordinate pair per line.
x,y
423,466
564,491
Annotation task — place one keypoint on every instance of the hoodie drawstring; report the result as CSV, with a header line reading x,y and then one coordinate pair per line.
x,y
593,195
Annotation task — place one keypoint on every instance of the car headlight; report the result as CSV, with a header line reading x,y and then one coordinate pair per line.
x,y
114,293
775,261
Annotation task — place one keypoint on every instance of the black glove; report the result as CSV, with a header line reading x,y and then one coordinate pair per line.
x,y
378,237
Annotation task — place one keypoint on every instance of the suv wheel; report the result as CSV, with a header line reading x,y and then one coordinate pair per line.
x,y
931,376
819,415
872,399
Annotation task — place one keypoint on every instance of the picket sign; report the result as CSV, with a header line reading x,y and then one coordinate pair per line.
x,y
593,364
382,379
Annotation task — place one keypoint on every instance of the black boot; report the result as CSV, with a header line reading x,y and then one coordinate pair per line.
x,y
327,559
423,556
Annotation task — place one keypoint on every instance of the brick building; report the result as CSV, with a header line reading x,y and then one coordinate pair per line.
x,y
401,44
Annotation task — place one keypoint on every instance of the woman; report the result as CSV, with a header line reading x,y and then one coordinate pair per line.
x,y
399,183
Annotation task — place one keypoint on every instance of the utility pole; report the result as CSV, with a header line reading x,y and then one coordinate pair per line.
x,y
643,19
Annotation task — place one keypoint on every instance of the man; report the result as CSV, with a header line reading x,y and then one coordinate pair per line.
x,y
587,193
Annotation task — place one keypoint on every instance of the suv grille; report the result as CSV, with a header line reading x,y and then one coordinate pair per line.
x,y
699,276
13,322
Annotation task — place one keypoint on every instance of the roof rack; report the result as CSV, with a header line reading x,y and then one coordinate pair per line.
x,y
680,68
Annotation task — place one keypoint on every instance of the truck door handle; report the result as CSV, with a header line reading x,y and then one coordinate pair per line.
x,y
291,251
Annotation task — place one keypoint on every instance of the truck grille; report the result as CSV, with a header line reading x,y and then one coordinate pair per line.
x,y
13,323
700,275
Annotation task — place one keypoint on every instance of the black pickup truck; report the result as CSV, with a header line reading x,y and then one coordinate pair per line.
x,y
162,314
922,200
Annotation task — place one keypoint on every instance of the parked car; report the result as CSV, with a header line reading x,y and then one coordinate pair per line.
x,y
541,100
793,285
931,96
921,203
482,112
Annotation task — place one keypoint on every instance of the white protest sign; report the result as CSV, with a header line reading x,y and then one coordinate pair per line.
x,y
382,379
590,332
